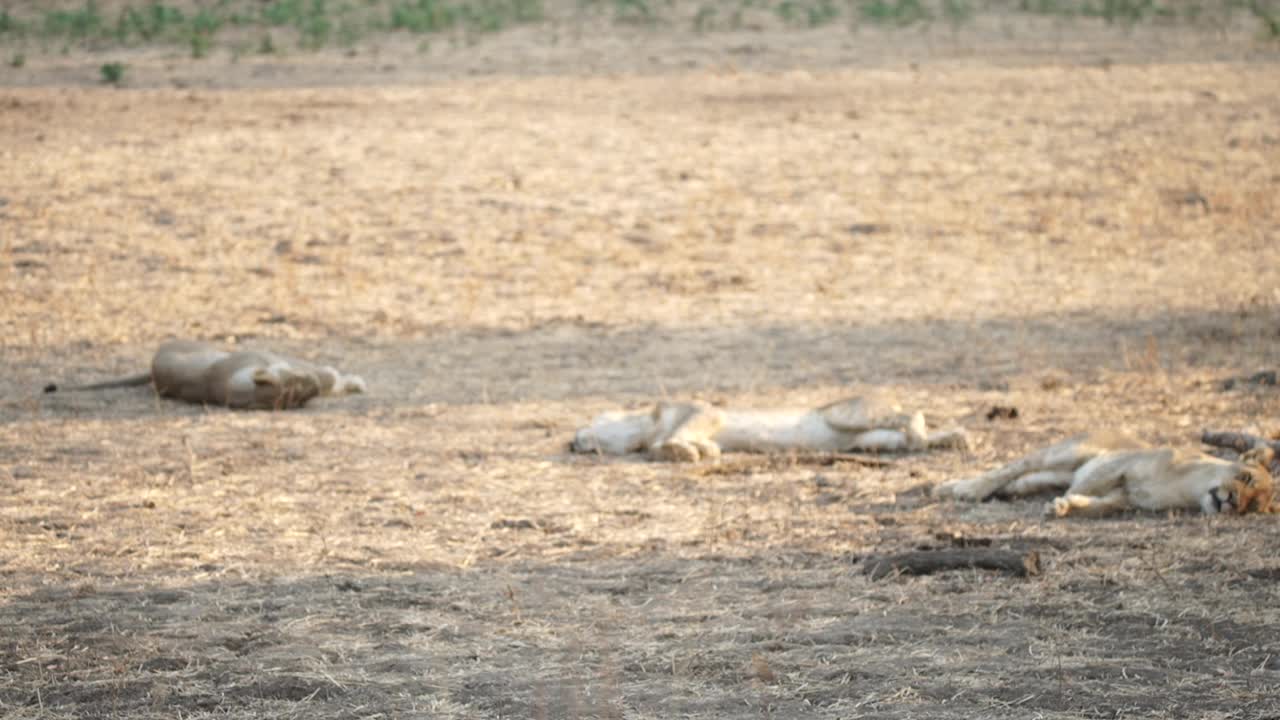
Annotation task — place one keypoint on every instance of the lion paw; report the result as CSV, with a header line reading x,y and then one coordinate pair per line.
x,y
708,450
294,391
958,490
353,385
686,451
676,451
1057,507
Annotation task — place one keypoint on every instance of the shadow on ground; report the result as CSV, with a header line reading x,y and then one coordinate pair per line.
x,y
793,634
566,360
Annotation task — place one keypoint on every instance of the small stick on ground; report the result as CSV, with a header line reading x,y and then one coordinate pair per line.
x,y
927,562
825,459
746,464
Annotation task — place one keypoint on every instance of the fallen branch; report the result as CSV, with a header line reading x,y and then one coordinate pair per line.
x,y
927,562
825,459
775,461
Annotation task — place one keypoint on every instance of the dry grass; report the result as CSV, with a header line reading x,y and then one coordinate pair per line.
x,y
503,257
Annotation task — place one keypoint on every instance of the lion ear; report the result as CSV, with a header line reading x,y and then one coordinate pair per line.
x,y
1261,455
1256,493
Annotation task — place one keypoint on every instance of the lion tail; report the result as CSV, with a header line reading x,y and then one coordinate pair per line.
x,y
124,382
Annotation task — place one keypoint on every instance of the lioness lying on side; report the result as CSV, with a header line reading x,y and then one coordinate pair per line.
x,y
196,372
696,431
1109,472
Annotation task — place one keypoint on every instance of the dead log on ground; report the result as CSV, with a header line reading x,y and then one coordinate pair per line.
x,y
927,562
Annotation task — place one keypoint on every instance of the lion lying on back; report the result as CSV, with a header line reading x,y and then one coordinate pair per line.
x,y
697,431
199,373
1109,472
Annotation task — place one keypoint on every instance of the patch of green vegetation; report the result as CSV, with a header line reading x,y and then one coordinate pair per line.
x,y
422,16
1123,11
807,13
1063,8
149,22
199,44
1268,14
282,12
894,12
9,25
957,12
312,19
349,33
1130,12
207,22
18,60
634,12
112,73
314,27
265,26
74,25
625,12
201,30
473,16
704,20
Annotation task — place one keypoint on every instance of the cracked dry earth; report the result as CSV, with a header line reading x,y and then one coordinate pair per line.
x,y
503,257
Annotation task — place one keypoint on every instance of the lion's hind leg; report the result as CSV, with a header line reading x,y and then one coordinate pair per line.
x,y
1098,486
881,440
1063,456
333,382
1036,483
877,413
277,387
295,390
1088,505
1106,472
686,433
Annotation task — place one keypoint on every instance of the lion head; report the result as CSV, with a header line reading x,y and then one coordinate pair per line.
x,y
1253,485
615,433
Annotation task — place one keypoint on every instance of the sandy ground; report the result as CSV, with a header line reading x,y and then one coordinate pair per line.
x,y
503,256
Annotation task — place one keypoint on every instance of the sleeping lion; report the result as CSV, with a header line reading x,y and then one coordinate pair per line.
x,y
196,372
1109,472
692,431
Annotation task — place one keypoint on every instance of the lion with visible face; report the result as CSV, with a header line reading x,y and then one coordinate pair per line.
x,y
1102,473
697,431
196,372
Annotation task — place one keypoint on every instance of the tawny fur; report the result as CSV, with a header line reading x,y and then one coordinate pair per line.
x,y
697,431
200,373
1101,473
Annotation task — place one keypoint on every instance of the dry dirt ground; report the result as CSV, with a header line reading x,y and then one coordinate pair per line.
x,y
502,257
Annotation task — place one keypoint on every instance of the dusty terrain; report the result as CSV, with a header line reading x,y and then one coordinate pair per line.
x,y
502,257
